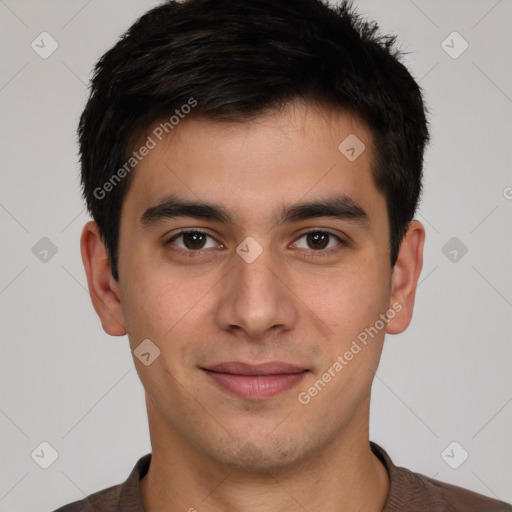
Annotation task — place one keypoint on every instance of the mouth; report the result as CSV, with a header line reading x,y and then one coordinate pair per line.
x,y
255,382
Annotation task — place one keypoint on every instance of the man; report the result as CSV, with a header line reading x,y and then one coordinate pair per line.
x,y
253,169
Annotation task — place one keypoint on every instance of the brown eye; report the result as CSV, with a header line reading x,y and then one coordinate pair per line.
x,y
194,240
318,243
191,240
318,239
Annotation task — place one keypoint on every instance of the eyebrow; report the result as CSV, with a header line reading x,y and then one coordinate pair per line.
x,y
339,207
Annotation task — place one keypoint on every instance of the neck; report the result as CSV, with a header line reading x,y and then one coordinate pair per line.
x,y
343,475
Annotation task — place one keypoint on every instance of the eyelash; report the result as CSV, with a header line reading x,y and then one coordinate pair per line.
x,y
314,253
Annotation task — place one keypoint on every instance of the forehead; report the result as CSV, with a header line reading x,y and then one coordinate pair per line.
x,y
301,152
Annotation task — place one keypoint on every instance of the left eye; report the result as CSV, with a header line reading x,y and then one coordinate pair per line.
x,y
319,240
192,240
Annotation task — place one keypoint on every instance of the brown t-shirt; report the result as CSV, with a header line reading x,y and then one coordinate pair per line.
x,y
408,492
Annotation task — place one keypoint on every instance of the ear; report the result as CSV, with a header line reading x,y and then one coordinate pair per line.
x,y
103,288
404,278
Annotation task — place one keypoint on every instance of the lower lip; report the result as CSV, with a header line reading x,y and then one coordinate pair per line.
x,y
256,387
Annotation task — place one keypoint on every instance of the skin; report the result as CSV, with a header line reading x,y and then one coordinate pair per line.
x,y
214,451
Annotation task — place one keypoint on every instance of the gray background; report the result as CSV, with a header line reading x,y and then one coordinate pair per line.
x,y
66,382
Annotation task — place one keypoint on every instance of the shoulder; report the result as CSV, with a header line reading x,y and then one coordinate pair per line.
x,y
413,491
124,496
441,496
105,500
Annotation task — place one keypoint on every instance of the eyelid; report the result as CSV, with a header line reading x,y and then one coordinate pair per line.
x,y
321,230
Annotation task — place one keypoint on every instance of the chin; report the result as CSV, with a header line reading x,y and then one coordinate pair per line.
x,y
262,456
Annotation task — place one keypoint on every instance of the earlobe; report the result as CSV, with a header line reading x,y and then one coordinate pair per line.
x,y
103,288
404,279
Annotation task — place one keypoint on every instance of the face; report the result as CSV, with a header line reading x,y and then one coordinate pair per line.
x,y
284,258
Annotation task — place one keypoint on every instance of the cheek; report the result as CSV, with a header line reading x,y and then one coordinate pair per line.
x,y
169,309
346,301
151,305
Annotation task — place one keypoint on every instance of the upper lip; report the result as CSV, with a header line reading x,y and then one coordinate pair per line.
x,y
270,368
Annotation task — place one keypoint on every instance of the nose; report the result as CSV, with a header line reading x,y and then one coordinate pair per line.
x,y
257,298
